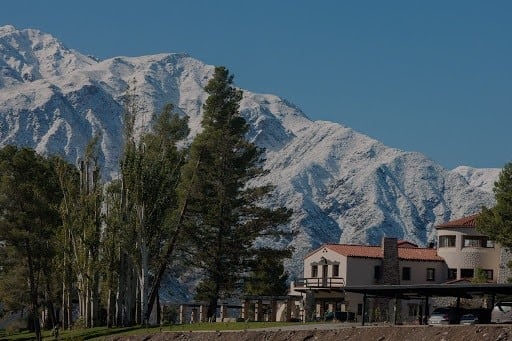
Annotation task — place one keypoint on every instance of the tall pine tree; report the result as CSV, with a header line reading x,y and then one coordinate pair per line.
x,y
268,276
224,215
496,222
29,218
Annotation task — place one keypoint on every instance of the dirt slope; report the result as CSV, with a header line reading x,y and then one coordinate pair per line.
x,y
376,333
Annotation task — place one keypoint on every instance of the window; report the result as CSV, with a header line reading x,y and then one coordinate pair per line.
x,y
431,274
472,241
335,270
489,243
467,273
452,273
488,274
406,273
446,241
376,272
314,270
359,309
477,241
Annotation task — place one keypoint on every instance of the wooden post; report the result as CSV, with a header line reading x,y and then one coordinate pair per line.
x,y
363,313
273,310
395,310
182,314
258,311
245,309
289,307
425,311
321,309
202,313
223,312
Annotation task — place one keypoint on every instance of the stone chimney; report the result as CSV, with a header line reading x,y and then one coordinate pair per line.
x,y
390,267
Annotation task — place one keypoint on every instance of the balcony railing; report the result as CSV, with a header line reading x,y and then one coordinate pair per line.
x,y
320,282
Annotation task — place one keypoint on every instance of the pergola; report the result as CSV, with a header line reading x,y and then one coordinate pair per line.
x,y
429,290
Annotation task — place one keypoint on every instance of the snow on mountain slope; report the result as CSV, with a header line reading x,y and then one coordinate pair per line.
x,y
347,187
343,186
28,55
483,178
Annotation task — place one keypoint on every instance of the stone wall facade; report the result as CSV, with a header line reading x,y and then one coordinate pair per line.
x,y
504,271
390,265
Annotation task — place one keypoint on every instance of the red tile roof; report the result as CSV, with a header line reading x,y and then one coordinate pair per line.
x,y
405,243
426,254
404,253
348,250
469,221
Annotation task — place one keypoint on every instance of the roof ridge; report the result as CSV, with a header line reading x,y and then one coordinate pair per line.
x,y
464,222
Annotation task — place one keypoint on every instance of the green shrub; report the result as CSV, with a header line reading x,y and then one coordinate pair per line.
x,y
15,327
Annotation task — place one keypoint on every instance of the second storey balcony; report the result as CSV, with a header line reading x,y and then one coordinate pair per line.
x,y
319,284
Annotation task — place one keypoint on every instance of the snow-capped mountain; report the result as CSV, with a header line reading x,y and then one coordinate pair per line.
x,y
483,178
342,185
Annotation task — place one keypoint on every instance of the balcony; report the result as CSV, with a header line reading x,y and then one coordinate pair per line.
x,y
319,283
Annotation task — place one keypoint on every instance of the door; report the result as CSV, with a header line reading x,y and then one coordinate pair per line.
x,y
324,275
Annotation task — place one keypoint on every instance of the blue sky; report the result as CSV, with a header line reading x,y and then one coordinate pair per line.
x,y
427,76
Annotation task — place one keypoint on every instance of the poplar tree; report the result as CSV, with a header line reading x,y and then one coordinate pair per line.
x,y
225,215
150,173
82,220
112,248
68,178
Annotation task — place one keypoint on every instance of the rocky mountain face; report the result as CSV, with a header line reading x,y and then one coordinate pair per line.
x,y
343,186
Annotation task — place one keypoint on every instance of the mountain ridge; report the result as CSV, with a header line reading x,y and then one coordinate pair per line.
x,y
342,185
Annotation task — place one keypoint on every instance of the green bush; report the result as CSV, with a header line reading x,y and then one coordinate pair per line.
x,y
15,327
79,323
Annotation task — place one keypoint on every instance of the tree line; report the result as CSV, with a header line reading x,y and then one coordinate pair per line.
x,y
68,239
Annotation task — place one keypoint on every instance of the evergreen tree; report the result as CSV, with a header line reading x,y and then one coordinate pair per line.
x,y
224,215
268,276
496,222
13,271
29,218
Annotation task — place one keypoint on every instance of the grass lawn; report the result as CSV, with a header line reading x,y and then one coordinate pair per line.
x,y
101,332
78,334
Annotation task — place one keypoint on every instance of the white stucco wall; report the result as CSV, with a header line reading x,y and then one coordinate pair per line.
x,y
331,258
460,257
360,271
419,271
